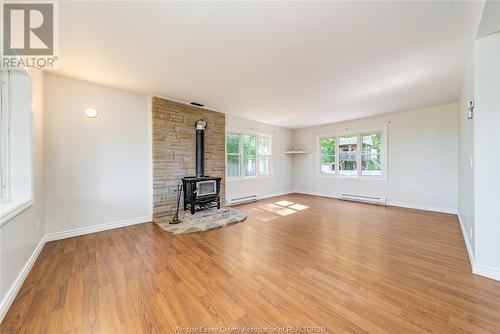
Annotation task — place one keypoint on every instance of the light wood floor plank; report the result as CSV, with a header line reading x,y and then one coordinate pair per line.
x,y
350,267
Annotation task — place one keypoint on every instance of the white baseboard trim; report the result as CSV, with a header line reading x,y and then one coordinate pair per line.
x,y
259,196
312,193
281,193
14,289
422,207
486,271
467,242
96,228
5,304
477,269
389,203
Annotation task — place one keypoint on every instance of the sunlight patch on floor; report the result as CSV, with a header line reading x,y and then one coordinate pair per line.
x,y
298,207
284,203
279,210
283,208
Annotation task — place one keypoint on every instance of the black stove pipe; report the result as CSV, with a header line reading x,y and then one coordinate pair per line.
x,y
201,126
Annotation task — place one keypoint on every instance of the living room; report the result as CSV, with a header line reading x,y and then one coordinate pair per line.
x,y
268,166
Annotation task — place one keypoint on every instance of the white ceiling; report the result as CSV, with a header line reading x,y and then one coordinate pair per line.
x,y
490,19
292,64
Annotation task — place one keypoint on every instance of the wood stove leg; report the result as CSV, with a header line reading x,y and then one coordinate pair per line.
x,y
192,209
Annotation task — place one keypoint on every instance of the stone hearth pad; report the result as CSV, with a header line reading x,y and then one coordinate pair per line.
x,y
204,220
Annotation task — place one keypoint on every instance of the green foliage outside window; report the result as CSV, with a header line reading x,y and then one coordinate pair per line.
x,y
232,143
328,151
371,162
249,150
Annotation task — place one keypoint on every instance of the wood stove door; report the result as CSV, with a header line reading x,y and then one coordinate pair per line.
x,y
206,188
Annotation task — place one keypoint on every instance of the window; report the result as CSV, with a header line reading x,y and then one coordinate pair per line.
x,y
328,155
348,149
264,145
248,155
4,137
15,143
233,165
342,155
371,156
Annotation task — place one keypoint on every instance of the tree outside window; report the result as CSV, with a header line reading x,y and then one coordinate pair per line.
x,y
328,155
248,155
342,155
371,158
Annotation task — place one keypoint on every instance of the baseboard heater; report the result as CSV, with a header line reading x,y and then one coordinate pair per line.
x,y
241,200
364,199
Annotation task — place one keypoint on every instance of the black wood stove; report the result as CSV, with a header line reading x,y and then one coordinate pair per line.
x,y
200,191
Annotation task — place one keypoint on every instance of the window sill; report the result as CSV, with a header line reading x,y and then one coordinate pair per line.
x,y
349,177
10,209
248,178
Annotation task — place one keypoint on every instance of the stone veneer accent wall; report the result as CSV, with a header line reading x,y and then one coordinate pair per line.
x,y
174,147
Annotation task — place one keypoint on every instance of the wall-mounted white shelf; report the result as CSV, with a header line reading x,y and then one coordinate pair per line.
x,y
296,152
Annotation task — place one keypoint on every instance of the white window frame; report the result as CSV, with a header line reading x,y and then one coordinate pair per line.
x,y
257,159
239,154
5,111
320,154
337,150
270,155
359,149
11,206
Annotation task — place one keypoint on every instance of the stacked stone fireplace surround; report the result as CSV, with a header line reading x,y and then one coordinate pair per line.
x,y
174,151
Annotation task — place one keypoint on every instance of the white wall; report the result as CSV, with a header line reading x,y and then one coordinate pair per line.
x,y
466,155
282,164
422,159
97,171
20,236
487,156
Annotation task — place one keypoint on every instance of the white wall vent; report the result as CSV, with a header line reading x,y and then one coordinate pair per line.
x,y
364,199
241,200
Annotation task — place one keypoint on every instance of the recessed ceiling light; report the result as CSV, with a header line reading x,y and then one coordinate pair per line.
x,y
90,112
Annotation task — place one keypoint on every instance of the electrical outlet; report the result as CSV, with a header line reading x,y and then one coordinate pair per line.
x,y
471,162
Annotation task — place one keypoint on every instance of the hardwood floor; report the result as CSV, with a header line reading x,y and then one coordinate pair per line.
x,y
297,261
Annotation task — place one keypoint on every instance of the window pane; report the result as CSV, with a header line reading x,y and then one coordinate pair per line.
x,y
232,143
19,160
264,165
328,156
249,155
233,165
264,151
348,149
372,152
371,164
264,147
